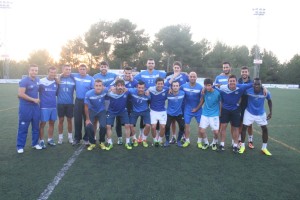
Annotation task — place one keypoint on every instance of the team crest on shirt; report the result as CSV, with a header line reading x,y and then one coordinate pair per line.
x,y
129,85
236,92
181,79
163,94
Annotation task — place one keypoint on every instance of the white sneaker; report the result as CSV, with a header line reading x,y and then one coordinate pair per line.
x,y
60,141
38,147
70,140
20,150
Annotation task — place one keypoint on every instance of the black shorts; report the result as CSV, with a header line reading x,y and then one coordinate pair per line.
x,y
233,116
65,110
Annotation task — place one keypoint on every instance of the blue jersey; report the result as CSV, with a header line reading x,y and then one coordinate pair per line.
x,y
182,79
107,79
139,102
83,84
158,98
192,97
211,107
128,84
149,79
47,93
31,89
231,98
95,101
256,101
175,103
117,102
65,91
221,79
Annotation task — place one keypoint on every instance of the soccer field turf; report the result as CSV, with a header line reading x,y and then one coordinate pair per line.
x,y
66,172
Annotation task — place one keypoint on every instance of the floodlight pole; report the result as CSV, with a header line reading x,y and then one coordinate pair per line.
x,y
4,5
259,12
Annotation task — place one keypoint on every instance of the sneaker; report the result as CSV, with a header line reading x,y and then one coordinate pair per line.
x,y
76,142
205,146
179,144
199,145
70,140
60,141
173,140
38,147
186,144
135,143
167,144
102,146
145,144
51,142
156,144
20,150
221,148
266,152
213,147
120,141
128,146
91,147
109,147
250,145
42,144
86,142
242,150
235,150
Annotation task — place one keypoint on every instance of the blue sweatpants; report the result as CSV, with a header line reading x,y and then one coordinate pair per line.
x,y
28,114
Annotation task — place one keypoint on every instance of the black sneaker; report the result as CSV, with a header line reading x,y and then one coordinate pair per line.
x,y
235,150
76,142
221,148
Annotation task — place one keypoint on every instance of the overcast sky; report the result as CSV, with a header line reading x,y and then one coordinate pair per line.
x,y
49,24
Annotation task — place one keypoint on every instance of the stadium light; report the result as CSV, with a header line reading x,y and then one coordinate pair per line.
x,y
4,5
259,12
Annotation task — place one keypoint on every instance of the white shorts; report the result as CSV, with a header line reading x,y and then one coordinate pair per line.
x,y
249,119
213,122
160,116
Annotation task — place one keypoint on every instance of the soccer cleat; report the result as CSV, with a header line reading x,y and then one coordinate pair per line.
x,y
221,148
205,146
199,144
167,144
266,152
242,150
20,150
214,147
102,146
38,147
70,140
86,142
135,143
51,142
128,146
91,147
173,140
250,145
156,144
42,144
179,144
186,144
76,142
120,141
145,144
235,150
109,147
60,141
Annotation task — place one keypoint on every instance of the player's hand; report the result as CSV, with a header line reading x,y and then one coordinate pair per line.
x,y
269,116
265,91
147,93
87,122
194,110
37,101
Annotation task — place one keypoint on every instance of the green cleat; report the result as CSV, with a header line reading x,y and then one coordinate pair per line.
x,y
205,146
128,146
91,147
199,145
145,144
109,147
242,150
102,146
135,143
186,144
214,147
266,152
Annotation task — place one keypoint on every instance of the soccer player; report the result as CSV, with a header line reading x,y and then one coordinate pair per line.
x,y
174,112
158,112
140,108
222,79
94,107
192,91
65,103
117,107
231,95
211,100
29,111
83,83
47,91
245,78
255,112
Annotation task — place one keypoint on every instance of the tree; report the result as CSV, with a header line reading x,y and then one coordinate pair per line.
x,y
269,69
291,72
41,58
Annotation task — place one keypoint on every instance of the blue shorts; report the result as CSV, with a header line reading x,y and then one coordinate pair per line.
x,y
189,116
134,116
48,114
110,118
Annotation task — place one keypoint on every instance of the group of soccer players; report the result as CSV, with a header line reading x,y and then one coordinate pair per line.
x,y
105,97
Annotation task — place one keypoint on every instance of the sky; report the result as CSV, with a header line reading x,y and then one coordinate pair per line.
x,y
30,25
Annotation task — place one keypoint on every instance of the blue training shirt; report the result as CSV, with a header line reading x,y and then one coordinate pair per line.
x,y
149,79
95,102
182,79
211,107
31,89
83,84
65,91
118,102
107,79
139,102
256,101
47,93
192,97
174,103
158,98
221,79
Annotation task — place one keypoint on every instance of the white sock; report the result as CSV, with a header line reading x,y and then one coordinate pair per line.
x,y
127,140
60,136
141,132
222,144
250,138
187,139
264,146
214,141
42,141
240,137
133,137
235,145
49,139
109,141
199,140
232,141
70,135
243,145
144,137
160,139
205,140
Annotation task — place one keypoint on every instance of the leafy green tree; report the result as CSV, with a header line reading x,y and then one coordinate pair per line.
x,y
73,52
41,58
269,69
291,72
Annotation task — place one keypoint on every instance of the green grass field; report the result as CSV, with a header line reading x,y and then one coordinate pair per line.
x,y
155,173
